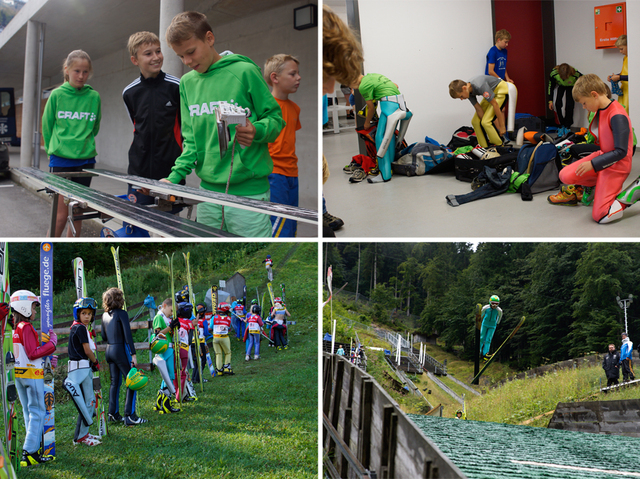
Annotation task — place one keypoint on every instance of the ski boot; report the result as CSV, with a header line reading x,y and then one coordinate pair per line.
x,y
117,418
227,369
167,407
35,458
159,400
134,420
219,372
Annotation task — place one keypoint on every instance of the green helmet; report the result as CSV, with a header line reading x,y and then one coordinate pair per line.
x,y
136,379
159,345
494,299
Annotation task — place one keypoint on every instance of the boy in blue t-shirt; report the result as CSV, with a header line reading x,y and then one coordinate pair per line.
x,y
497,57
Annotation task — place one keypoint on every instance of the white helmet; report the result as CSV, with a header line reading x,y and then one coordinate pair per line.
x,y
22,300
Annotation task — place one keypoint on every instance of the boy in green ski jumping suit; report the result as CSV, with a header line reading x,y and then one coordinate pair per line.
x,y
237,80
491,315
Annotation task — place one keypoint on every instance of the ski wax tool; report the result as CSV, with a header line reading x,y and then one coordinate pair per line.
x,y
228,114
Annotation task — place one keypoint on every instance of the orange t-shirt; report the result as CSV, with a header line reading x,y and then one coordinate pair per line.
x,y
283,150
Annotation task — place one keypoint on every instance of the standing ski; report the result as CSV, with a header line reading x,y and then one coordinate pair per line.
x,y
116,259
46,324
196,332
176,340
495,354
270,288
81,292
214,308
9,393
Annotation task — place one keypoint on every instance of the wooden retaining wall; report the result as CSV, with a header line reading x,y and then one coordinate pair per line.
x,y
380,438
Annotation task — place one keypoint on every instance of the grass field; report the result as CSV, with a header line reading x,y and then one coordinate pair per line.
x,y
260,423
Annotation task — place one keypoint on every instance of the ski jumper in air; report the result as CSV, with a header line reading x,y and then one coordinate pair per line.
x,y
491,315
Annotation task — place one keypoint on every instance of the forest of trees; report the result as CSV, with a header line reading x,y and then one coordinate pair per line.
x,y
567,291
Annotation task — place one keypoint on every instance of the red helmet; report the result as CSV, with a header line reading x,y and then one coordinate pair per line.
x,y
224,308
277,300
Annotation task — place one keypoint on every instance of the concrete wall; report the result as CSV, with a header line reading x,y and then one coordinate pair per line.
x,y
257,37
621,418
379,434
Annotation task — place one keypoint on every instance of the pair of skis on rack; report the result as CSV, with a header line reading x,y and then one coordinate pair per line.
x,y
478,311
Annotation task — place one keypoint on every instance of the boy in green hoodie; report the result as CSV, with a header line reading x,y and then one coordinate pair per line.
x,y
237,80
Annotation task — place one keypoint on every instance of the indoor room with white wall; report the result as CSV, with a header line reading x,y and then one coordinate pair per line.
x,y
257,37
424,45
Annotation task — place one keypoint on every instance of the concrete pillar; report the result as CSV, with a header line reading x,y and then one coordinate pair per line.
x,y
29,98
169,9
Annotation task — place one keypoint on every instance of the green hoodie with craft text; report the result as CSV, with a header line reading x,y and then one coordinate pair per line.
x,y
70,122
237,80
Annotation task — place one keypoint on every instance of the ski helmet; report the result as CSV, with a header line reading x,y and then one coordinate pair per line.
x,y
184,310
159,345
183,295
254,301
136,379
255,309
268,256
22,300
224,307
201,308
494,299
84,303
278,300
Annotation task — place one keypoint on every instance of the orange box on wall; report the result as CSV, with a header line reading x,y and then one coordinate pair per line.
x,y
610,23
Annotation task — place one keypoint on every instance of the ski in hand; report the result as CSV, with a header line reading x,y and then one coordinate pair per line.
x,y
176,340
81,292
46,324
214,309
116,259
196,332
9,392
495,354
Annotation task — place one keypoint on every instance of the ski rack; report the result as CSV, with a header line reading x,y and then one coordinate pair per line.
x,y
109,206
200,194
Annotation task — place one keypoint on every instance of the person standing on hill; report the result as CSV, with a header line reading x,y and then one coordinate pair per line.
x,y
491,315
626,351
611,366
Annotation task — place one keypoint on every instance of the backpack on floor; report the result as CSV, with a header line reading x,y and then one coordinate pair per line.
x,y
541,163
422,158
463,136
469,166
528,121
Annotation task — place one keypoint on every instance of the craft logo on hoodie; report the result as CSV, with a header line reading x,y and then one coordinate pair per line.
x,y
76,115
207,108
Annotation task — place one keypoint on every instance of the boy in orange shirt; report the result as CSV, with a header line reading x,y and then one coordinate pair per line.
x,y
281,73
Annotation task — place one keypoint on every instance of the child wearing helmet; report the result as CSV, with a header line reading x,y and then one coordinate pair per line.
x,y
252,333
187,324
268,263
120,355
164,360
202,330
239,317
221,345
29,367
279,324
82,360
491,315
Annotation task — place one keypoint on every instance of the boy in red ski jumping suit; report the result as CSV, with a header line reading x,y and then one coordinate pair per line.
x,y
609,167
